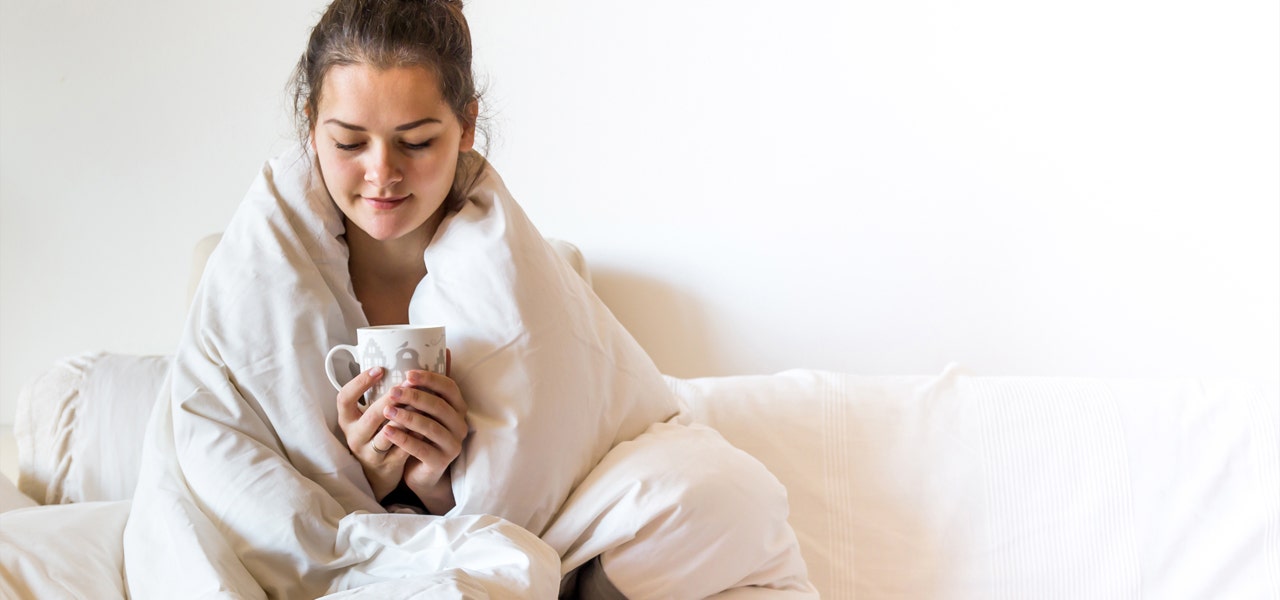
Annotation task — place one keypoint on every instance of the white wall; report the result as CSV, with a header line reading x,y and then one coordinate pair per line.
x,y
1086,188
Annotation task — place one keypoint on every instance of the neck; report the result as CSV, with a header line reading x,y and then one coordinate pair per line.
x,y
398,260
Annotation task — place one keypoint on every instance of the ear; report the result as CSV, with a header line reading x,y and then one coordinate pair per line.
x,y
468,140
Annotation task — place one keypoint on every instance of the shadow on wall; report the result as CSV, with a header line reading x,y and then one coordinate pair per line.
x,y
669,323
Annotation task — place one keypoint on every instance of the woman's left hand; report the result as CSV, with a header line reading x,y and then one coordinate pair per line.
x,y
429,422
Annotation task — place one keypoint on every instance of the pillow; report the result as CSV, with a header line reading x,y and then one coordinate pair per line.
x,y
79,426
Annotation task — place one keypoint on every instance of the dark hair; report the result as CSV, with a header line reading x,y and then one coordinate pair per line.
x,y
387,34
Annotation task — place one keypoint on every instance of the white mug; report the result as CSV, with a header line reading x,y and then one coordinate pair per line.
x,y
398,349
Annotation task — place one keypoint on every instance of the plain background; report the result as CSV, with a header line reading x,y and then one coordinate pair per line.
x,y
1024,188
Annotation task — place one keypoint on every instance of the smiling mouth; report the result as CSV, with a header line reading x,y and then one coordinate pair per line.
x,y
385,203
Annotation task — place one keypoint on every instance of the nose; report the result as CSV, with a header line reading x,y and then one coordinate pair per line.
x,y
382,170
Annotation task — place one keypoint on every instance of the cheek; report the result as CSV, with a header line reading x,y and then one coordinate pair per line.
x,y
444,162
336,171
427,171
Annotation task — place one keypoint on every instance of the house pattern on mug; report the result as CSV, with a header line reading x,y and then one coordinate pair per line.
x,y
406,359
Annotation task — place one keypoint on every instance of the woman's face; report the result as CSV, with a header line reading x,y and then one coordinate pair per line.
x,y
388,146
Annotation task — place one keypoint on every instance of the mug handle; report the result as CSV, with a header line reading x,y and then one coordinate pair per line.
x,y
328,363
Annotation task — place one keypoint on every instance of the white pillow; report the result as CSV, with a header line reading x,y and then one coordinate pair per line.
x,y
79,426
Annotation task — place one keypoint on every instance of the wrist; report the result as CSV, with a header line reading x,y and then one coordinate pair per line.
x,y
438,497
381,484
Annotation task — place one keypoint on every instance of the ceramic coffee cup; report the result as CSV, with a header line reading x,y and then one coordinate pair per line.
x,y
398,349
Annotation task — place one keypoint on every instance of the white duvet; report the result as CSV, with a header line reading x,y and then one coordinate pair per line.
x,y
246,489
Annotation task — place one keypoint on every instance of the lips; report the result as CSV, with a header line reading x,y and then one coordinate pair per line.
x,y
385,203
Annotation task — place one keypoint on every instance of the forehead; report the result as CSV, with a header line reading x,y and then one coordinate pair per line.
x,y
361,89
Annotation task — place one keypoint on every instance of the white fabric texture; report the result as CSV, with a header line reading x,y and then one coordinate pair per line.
x,y
243,455
63,551
552,380
554,386
679,513
1016,487
245,488
80,423
878,482
79,426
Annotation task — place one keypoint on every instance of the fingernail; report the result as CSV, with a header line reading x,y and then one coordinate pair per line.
x,y
396,391
376,371
391,412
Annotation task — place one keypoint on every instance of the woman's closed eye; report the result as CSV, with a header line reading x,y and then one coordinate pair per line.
x,y
408,145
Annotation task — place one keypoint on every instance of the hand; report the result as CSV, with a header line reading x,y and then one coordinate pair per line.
x,y
366,433
430,425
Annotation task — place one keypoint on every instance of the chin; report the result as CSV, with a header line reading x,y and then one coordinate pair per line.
x,y
389,226
387,234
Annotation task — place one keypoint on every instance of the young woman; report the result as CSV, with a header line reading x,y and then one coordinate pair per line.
x,y
556,463
387,101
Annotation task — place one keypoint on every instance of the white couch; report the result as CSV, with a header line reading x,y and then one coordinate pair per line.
x,y
937,486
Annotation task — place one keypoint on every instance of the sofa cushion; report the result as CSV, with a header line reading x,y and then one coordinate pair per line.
x,y
956,486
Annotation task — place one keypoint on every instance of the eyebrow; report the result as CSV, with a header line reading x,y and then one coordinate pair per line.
x,y
405,127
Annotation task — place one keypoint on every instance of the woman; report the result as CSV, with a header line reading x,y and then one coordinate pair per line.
x,y
394,151
554,450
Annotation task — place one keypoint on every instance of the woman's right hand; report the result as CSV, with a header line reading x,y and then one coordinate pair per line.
x,y
382,460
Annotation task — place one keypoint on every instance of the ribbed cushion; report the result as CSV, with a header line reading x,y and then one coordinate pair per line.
x,y
79,426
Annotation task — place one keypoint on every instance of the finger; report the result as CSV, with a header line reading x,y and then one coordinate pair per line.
x,y
440,385
383,444
429,405
371,421
351,393
427,451
434,412
361,431
447,436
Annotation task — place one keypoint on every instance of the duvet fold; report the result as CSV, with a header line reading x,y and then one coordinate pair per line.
x,y
577,448
246,488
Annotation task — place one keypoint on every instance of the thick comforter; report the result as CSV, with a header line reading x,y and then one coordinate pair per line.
x,y
247,490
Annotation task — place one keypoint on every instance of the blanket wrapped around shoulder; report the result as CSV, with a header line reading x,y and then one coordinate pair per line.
x,y
247,488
